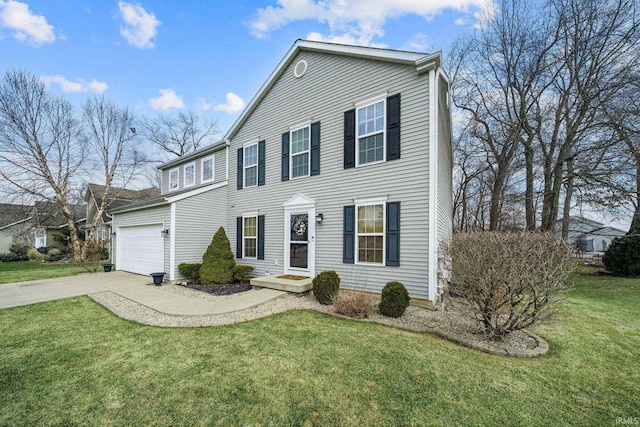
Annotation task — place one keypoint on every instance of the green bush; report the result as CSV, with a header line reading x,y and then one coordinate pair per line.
x,y
242,273
325,287
394,300
16,253
218,261
623,256
191,271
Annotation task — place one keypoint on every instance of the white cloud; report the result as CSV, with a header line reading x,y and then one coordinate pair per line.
x,y
460,21
419,42
233,105
77,86
140,28
167,100
353,21
27,27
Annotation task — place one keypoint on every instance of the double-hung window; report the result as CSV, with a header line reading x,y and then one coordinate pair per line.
x,y
370,233
300,144
207,169
174,179
249,236
190,175
250,165
370,126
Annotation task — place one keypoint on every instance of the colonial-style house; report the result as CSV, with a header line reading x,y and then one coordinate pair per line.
x,y
589,235
342,161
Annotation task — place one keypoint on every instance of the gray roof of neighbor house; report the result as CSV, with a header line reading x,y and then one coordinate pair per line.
x,y
47,214
11,214
119,197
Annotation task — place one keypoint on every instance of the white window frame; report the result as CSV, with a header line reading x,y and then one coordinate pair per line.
x,y
358,107
244,164
308,150
371,202
184,173
213,169
244,252
177,171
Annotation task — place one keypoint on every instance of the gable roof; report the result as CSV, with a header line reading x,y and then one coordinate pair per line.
x,y
199,152
11,214
47,214
422,61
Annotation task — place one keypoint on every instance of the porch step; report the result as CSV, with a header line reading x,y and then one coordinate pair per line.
x,y
273,282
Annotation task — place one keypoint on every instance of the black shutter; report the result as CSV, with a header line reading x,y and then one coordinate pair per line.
x,y
350,139
393,234
261,155
239,237
240,170
393,127
315,148
285,156
260,236
348,239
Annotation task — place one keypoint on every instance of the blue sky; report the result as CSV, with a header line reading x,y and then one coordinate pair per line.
x,y
206,56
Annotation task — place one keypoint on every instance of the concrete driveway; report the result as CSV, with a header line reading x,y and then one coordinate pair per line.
x,y
25,293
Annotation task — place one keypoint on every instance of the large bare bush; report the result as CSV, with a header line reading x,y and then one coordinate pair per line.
x,y
508,281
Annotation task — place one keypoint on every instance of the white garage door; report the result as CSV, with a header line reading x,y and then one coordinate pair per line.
x,y
142,249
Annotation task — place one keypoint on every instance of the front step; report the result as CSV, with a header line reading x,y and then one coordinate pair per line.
x,y
288,285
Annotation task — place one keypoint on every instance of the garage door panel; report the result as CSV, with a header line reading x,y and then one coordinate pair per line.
x,y
142,249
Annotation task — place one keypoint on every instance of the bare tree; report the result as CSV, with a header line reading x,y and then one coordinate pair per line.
x,y
181,134
41,146
112,140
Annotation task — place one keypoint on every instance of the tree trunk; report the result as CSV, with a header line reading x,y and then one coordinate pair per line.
x,y
567,201
529,206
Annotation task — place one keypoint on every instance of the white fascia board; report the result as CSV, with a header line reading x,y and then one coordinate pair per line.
x,y
420,60
137,208
16,223
190,157
196,192
433,184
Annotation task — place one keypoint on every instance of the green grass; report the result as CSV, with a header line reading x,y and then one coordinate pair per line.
x,y
73,362
33,270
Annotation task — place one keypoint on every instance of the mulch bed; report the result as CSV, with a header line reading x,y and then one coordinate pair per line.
x,y
231,288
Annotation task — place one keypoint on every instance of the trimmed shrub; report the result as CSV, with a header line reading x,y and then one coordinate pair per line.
x,y
54,254
218,261
325,286
35,255
508,281
16,253
242,273
191,271
394,300
357,304
623,256
43,249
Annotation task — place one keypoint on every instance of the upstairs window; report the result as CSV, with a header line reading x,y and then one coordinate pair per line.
x,y
251,165
207,169
173,179
190,175
370,132
300,152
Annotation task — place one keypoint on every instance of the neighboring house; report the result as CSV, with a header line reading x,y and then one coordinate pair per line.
x,y
49,225
589,235
16,226
342,162
118,197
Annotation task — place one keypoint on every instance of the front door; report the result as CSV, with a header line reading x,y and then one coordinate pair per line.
x,y
300,241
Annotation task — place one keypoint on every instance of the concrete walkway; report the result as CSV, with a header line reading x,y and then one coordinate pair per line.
x,y
134,287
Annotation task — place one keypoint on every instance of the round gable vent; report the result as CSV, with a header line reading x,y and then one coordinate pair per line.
x,y
300,69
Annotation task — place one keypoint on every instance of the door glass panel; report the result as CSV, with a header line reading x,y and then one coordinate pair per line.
x,y
298,255
299,227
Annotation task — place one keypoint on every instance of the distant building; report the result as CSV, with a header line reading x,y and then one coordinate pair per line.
x,y
589,235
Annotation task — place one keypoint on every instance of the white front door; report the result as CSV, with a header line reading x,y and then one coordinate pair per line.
x,y
299,237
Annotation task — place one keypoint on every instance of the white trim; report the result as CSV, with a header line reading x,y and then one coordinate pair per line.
x,y
244,163
213,169
184,175
177,187
371,202
226,169
136,208
249,215
308,207
433,184
371,100
172,243
16,223
361,105
192,193
307,151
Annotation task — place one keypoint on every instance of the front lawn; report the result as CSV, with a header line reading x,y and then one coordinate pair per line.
x,y
34,270
73,362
